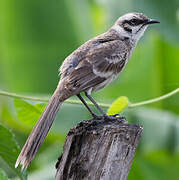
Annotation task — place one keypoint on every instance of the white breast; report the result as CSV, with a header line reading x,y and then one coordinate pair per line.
x,y
104,83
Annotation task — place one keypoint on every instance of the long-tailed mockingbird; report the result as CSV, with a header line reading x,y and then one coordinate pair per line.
x,y
89,68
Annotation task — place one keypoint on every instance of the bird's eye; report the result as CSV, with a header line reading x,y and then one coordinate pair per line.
x,y
135,22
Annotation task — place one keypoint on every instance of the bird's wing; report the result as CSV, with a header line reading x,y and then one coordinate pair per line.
x,y
82,79
93,63
104,44
109,57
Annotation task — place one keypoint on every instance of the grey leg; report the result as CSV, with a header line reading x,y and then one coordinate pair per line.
x,y
104,115
86,105
96,105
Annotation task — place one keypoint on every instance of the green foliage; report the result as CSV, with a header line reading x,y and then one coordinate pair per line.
x,y
160,129
156,165
157,157
118,105
8,118
28,113
3,175
9,150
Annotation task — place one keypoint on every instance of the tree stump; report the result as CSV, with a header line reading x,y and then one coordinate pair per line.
x,y
99,149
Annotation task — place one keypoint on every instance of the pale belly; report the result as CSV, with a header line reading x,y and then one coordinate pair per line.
x,y
104,83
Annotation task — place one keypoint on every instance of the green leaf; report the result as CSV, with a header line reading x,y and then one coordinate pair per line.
x,y
9,150
28,113
118,105
3,175
10,119
159,165
160,129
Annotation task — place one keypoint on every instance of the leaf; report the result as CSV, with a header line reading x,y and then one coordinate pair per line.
x,y
118,105
28,113
10,119
160,129
9,150
159,165
3,175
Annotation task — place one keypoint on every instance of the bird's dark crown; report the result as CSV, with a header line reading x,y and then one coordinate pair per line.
x,y
133,19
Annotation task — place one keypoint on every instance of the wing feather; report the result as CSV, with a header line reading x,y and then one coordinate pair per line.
x,y
82,79
103,54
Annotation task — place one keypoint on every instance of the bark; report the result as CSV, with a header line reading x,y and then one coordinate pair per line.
x,y
99,149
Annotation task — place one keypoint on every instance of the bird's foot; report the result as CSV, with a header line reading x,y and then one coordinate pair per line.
x,y
114,117
109,117
118,116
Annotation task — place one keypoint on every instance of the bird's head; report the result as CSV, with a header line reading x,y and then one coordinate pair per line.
x,y
133,25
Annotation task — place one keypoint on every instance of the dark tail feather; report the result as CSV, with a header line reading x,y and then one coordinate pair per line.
x,y
39,132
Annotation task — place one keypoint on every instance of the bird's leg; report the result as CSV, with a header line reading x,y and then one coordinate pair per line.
x,y
104,115
95,104
86,105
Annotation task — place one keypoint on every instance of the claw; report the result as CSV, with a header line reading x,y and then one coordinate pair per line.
x,y
115,117
111,117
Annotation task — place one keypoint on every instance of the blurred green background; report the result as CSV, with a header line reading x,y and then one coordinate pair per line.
x,y
35,38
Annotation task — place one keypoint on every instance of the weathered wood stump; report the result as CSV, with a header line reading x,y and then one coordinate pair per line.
x,y
99,149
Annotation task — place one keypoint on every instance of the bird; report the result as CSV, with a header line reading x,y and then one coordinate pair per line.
x,y
91,67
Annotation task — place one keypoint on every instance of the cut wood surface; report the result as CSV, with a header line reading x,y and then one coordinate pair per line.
x,y
99,149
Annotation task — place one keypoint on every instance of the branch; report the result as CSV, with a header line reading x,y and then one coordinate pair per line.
x,y
70,101
155,99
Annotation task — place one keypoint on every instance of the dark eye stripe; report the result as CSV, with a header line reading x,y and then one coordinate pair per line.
x,y
134,22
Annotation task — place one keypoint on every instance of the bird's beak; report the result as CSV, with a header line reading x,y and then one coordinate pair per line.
x,y
152,21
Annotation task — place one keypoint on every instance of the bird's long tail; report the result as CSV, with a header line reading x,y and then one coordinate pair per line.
x,y
40,131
